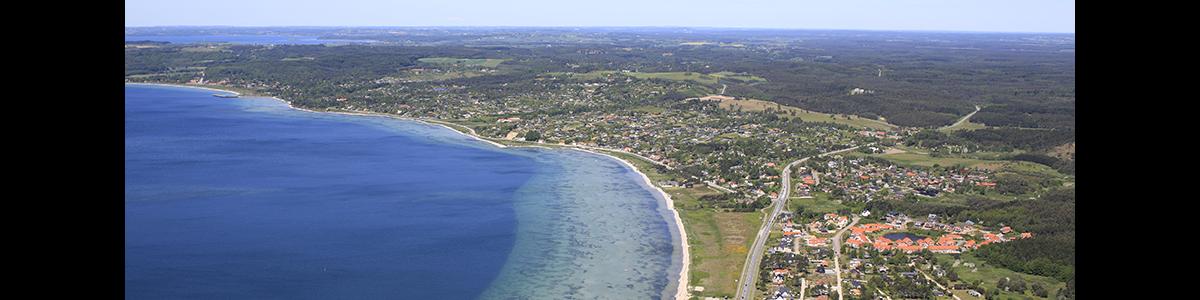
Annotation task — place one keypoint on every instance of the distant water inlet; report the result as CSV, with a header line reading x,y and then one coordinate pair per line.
x,y
249,199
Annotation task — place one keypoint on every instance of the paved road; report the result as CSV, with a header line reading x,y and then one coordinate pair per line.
x,y
837,255
939,285
746,283
964,118
803,286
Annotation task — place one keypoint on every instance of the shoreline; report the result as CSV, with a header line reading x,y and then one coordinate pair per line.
x,y
681,292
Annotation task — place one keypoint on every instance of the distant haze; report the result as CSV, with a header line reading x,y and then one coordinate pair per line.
x,y
932,15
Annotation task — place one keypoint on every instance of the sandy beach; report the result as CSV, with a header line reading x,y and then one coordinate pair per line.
x,y
681,292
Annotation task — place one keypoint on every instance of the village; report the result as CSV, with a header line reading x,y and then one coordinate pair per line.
x,y
881,260
866,179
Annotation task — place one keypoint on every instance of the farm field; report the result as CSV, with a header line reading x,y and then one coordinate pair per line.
x,y
465,62
806,115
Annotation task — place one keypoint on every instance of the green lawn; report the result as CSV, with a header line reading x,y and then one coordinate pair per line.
x,y
820,203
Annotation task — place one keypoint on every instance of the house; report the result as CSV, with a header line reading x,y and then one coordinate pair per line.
x,y
815,242
943,249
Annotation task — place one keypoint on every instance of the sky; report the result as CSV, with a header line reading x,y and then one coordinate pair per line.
x,y
1057,16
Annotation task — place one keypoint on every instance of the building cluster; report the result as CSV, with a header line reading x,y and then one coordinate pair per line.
x,y
953,239
868,179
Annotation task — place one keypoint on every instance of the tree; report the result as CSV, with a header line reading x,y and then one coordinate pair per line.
x,y
532,136
1017,285
1039,290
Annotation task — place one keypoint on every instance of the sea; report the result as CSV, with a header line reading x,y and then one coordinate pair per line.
x,y
247,198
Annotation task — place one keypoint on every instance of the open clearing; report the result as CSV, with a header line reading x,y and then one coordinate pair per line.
x,y
806,115
706,79
464,62
988,276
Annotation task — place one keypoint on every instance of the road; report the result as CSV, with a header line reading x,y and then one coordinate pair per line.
x,y
716,186
964,118
803,286
885,295
940,285
837,255
750,268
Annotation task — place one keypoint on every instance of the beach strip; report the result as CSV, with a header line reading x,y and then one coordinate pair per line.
x,y
681,287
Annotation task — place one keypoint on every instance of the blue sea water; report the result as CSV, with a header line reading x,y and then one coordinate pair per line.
x,y
249,199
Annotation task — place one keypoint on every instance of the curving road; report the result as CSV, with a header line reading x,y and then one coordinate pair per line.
x,y
837,255
746,283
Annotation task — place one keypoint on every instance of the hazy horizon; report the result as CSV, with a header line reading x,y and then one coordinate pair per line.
x,y
596,27
1019,16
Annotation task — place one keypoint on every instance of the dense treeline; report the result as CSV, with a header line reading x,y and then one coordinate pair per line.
x,y
1065,166
1049,255
994,139
1051,251
1029,114
1031,140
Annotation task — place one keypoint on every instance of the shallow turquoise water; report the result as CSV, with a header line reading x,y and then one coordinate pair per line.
x,y
247,198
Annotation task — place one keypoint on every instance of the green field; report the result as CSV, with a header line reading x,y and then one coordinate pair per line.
x,y
925,160
806,115
739,76
417,76
706,79
988,276
968,125
913,159
464,62
820,203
